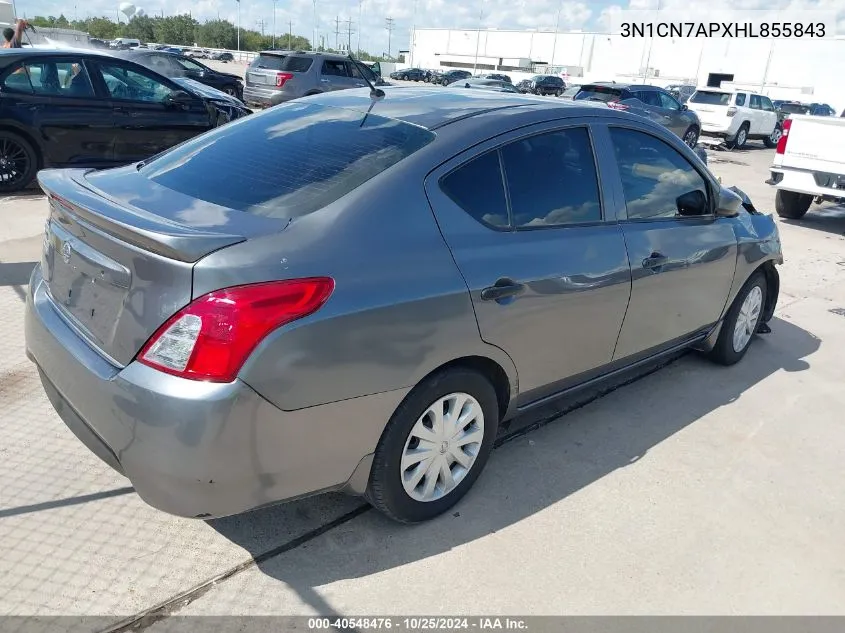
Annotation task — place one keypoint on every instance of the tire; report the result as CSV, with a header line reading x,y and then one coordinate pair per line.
x,y
792,205
444,83
387,490
18,162
741,316
558,93
738,141
691,136
404,78
772,141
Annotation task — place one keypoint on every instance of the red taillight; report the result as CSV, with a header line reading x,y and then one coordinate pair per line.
x,y
784,137
616,105
281,78
211,338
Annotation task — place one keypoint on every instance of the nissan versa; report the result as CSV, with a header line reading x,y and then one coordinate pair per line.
x,y
349,292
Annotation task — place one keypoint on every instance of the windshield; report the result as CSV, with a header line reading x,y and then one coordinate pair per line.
x,y
708,97
288,161
598,93
793,108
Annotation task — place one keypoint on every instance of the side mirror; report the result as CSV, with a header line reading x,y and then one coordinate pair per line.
x,y
684,107
729,204
179,98
692,203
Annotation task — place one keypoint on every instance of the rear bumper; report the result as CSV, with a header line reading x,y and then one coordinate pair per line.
x,y
807,181
261,97
197,449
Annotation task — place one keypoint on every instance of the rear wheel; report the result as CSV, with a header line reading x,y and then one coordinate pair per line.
x,y
792,205
18,162
558,92
738,141
741,322
772,140
435,446
404,77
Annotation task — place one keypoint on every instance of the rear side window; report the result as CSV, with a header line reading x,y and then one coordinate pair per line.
x,y
649,97
740,99
767,104
288,162
552,179
598,93
756,103
477,188
286,63
708,97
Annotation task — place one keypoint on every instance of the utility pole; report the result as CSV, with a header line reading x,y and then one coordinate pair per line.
x,y
650,43
260,24
554,43
290,35
348,36
239,28
478,37
274,23
360,24
388,24
337,32
413,37
314,29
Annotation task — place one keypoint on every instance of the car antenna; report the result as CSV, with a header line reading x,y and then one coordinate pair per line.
x,y
375,93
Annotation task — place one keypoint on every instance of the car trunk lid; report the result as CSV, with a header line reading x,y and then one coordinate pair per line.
x,y
711,106
119,252
274,71
815,144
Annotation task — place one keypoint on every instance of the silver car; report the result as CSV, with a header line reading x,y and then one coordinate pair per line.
x,y
353,293
277,76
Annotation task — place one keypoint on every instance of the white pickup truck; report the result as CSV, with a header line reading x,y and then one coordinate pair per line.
x,y
809,164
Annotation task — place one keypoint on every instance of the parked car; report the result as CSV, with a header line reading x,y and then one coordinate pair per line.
x,y
821,109
571,91
278,76
171,65
486,84
649,101
809,164
409,74
681,92
524,86
433,76
786,108
734,116
497,77
547,85
63,108
223,57
453,75
218,380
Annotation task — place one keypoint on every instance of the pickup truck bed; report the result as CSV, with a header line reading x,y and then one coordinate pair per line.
x,y
809,164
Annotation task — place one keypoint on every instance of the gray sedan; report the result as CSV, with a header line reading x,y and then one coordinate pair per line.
x,y
353,293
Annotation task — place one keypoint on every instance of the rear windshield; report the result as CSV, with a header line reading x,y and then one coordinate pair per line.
x,y
287,162
794,108
711,98
284,63
598,93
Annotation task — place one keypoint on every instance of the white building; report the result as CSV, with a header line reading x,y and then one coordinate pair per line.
x,y
805,70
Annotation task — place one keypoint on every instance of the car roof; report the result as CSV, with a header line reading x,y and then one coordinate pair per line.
x,y
332,56
433,108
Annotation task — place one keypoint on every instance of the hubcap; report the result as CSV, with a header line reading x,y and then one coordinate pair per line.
x,y
740,138
691,138
442,447
776,135
13,162
746,320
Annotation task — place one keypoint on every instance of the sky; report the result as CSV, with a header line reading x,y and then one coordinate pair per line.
x,y
368,16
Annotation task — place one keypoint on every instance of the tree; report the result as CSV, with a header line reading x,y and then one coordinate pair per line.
x,y
62,22
102,28
217,34
176,29
141,27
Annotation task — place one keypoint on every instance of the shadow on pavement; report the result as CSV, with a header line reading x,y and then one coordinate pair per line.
x,y
15,273
576,451
824,217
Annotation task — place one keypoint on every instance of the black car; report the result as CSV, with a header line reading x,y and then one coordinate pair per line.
x,y
409,74
453,75
175,66
497,77
547,85
68,108
485,84
223,57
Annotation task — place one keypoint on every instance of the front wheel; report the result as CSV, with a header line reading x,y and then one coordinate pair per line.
x,y
435,446
18,162
404,78
738,141
772,140
691,137
792,205
558,93
741,322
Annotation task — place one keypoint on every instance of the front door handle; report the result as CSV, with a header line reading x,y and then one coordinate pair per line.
x,y
502,289
655,260
325,81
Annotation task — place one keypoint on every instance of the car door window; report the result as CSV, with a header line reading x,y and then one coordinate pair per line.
x,y
740,99
478,189
360,72
551,179
668,102
335,69
756,104
657,180
649,97
767,104
59,78
128,84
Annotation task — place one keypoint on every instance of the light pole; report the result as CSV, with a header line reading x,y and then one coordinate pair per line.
x,y
554,42
314,27
360,24
478,37
650,43
239,29
768,62
413,36
274,23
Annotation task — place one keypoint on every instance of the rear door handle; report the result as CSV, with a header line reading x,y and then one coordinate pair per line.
x,y
502,289
325,81
655,260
